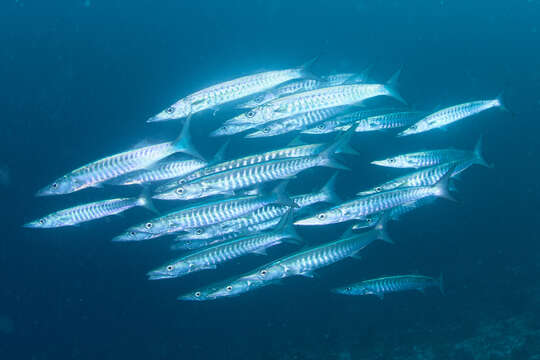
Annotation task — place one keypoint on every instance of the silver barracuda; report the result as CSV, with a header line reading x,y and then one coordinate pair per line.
x,y
264,217
428,158
341,95
211,213
95,173
160,172
214,96
302,263
227,182
190,245
390,284
388,121
452,114
285,153
429,176
375,203
210,257
88,212
345,122
296,123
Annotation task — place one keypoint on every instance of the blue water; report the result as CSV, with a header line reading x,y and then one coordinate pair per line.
x,y
79,78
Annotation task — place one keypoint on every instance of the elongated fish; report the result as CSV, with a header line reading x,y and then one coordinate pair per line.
x,y
296,123
345,122
390,284
302,263
209,213
452,114
232,90
341,95
95,173
88,212
160,172
263,217
429,176
366,205
210,257
423,159
388,121
226,182
285,153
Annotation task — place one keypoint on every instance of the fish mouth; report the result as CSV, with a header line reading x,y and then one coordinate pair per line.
x,y
31,225
256,134
158,275
155,118
165,196
308,221
378,162
43,192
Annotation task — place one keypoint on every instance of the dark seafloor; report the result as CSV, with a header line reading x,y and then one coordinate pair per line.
x,y
79,78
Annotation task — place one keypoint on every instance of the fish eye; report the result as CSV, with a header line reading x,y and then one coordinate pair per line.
x,y
378,188
321,126
264,272
413,127
148,225
54,185
392,160
229,288
348,289
250,114
181,181
170,110
132,233
169,268
321,216
197,294
180,191
41,221
369,220
198,232
266,130
259,99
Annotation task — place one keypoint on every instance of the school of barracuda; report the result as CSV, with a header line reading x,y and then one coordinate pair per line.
x,y
242,206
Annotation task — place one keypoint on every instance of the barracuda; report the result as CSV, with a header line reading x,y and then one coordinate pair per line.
x,y
211,213
88,212
428,176
285,153
345,121
166,171
390,284
296,123
302,263
361,207
214,96
388,121
452,114
227,182
423,159
209,258
93,174
341,95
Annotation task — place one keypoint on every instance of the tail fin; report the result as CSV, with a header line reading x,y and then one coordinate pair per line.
x,y
329,191
145,200
183,142
220,154
391,87
347,149
441,187
281,196
502,104
478,153
440,282
297,141
286,227
305,69
327,155
380,229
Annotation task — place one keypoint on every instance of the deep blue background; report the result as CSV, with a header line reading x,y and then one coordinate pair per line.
x,y
79,81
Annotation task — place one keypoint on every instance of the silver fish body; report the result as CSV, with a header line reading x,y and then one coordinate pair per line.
x,y
390,284
95,173
226,92
88,212
166,171
450,115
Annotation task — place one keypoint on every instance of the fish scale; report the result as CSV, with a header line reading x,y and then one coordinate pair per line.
x,y
162,172
389,284
387,121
